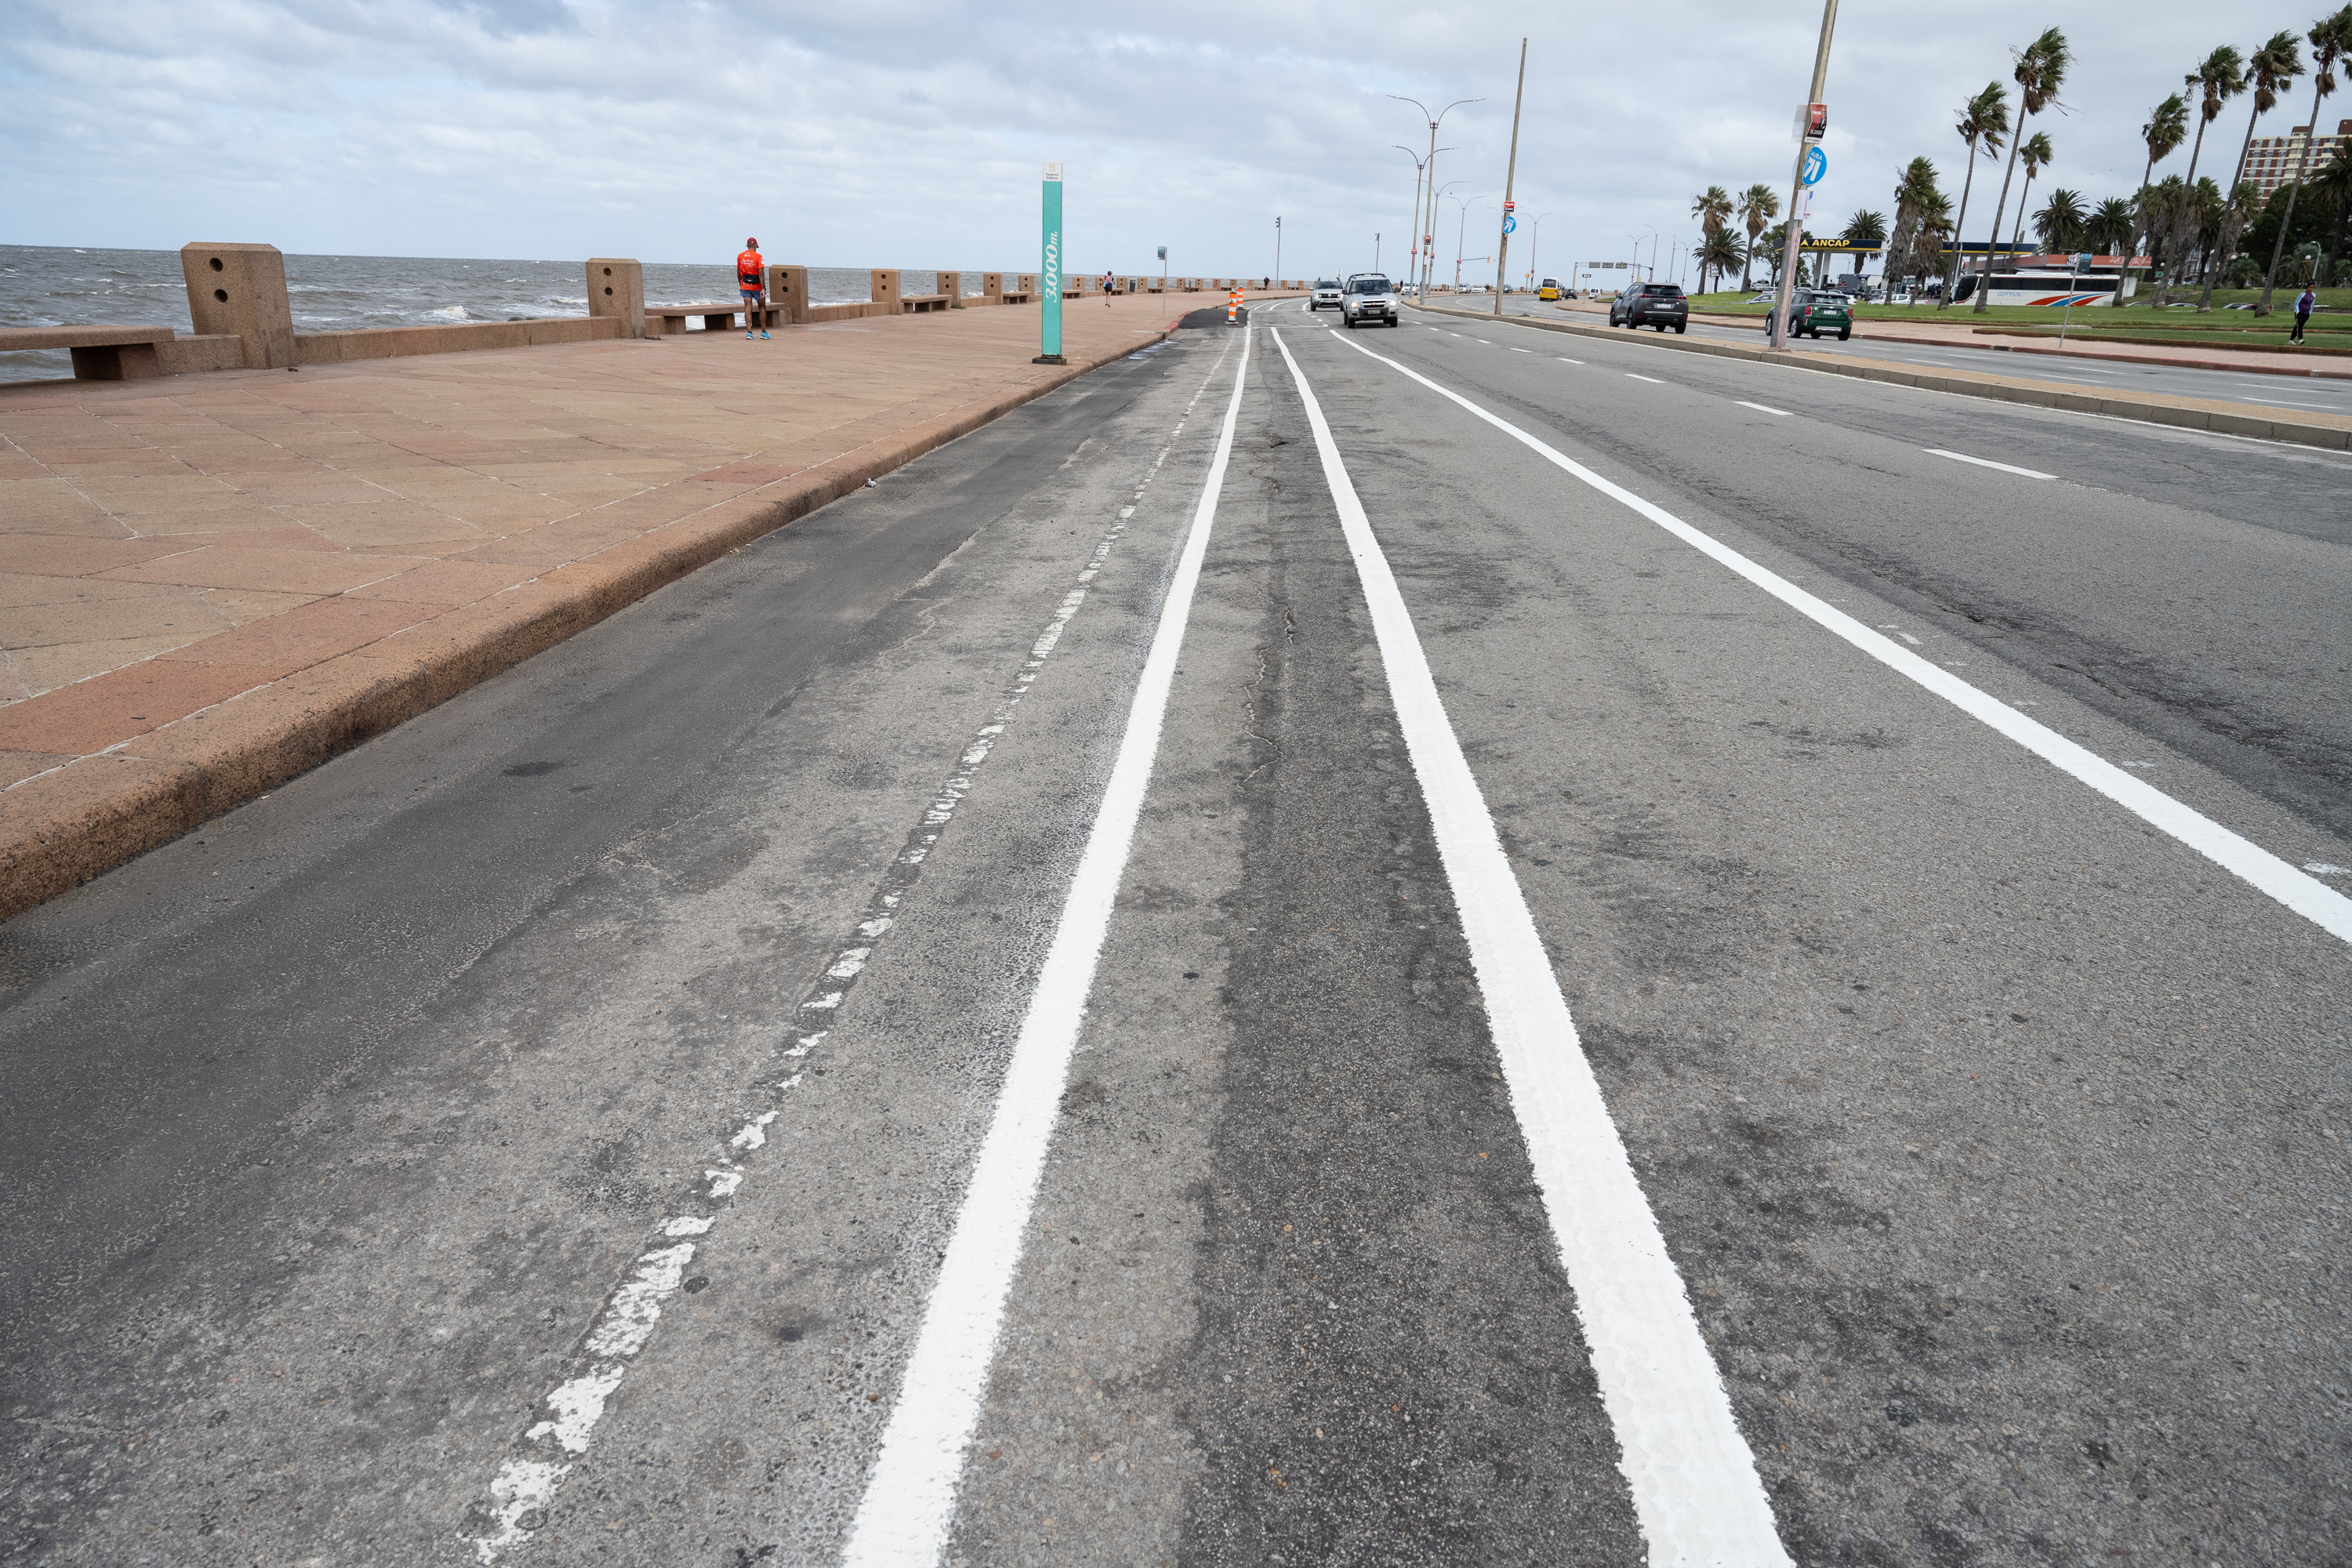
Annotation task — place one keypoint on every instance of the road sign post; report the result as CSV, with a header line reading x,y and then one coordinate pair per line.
x,y
1812,124
1049,350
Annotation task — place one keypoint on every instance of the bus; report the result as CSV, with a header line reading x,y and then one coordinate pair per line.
x,y
2047,280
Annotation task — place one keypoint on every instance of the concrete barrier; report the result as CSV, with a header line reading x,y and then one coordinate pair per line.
x,y
463,337
239,291
616,288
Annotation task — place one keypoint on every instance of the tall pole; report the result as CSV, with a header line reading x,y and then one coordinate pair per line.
x,y
1510,174
1413,247
1428,233
1049,349
1277,248
1796,182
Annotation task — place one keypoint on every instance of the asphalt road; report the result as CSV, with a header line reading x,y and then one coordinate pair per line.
x,y
1028,1018
2313,394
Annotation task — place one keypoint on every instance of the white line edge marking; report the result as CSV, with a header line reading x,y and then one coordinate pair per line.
x,y
1762,408
1564,360
2306,895
1652,380
909,1505
1988,463
1693,1479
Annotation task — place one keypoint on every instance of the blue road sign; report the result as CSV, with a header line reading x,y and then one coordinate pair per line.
x,y
1817,163
1510,222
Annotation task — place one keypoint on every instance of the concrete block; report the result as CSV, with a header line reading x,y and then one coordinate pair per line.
x,y
116,361
181,355
951,285
884,288
240,290
991,288
616,288
788,293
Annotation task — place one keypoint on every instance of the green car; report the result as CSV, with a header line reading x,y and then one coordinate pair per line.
x,y
1813,312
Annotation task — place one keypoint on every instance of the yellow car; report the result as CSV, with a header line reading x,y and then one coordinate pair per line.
x,y
1548,288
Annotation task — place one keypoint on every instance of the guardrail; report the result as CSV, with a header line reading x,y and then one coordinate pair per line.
x,y
238,304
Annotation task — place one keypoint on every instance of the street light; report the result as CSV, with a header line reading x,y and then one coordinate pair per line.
x,y
1807,129
1428,232
1535,247
1461,235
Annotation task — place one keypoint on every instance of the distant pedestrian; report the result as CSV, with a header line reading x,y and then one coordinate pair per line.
x,y
2303,302
751,280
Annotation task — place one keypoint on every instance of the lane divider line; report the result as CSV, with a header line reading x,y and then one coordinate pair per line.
x,y
1652,380
1987,463
2257,867
1762,408
909,1505
1693,1479
1564,360
525,1489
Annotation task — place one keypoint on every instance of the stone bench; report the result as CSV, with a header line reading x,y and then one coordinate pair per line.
x,y
100,353
666,321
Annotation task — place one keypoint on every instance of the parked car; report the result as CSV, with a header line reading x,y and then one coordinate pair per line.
x,y
1326,293
1813,312
1370,298
1547,289
1659,305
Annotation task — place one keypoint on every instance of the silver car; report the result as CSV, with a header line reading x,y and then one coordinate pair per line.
x,y
1326,294
1370,298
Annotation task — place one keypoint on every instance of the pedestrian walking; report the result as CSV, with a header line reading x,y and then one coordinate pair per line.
x,y
2303,302
751,280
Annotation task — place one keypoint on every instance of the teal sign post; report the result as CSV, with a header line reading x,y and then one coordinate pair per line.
x,y
1051,327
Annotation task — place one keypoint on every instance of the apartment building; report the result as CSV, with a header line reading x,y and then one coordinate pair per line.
x,y
2271,160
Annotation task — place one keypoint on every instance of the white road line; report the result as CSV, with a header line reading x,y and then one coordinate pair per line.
x,y
1564,360
2285,401
1988,463
1489,343
1761,408
1693,1479
902,1520
2257,867
1652,380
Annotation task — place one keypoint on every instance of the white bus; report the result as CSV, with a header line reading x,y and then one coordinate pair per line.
x,y
2045,280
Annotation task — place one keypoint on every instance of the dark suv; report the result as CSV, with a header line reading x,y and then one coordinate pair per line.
x,y
1659,305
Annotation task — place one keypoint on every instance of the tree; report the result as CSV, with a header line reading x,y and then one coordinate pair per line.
x,y
1984,123
1912,190
2061,221
2041,72
2219,78
2335,183
1718,253
2330,38
1758,205
2268,70
2166,129
2036,156
1865,232
1936,228
2111,227
2236,211
1712,208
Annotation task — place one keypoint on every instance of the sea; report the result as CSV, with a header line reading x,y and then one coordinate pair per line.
x,y
49,286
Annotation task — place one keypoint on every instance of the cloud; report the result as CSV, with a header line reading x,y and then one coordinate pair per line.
x,y
890,132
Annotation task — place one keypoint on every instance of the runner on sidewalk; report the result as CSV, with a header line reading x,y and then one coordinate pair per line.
x,y
2303,308
752,278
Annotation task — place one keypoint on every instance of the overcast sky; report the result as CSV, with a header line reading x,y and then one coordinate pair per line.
x,y
910,133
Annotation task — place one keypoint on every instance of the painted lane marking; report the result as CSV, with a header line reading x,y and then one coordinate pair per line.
x,y
1564,360
1693,1479
903,1520
1988,463
1517,350
2257,867
1652,380
527,1483
1760,408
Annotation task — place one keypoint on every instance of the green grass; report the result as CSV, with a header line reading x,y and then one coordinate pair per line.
x,y
2318,342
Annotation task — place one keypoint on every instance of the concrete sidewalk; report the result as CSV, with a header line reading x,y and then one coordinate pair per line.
x,y
211,583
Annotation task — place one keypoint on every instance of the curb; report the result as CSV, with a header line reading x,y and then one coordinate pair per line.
x,y
89,814
2183,414
1748,322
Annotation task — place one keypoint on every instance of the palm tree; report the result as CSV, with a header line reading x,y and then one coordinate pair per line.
x,y
1916,183
2221,77
2335,183
1936,228
2330,38
2062,222
1758,205
2036,156
1984,122
2166,129
1865,232
1712,208
2268,69
2041,71
2109,224
1718,253
2161,207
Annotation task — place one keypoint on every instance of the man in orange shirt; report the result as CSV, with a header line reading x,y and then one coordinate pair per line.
x,y
752,277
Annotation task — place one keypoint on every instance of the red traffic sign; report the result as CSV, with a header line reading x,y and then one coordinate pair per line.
x,y
1508,206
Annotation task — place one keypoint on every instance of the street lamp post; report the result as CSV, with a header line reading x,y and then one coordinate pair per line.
x,y
1429,230
1461,235
1418,168
1535,247
1277,249
1510,178
1797,181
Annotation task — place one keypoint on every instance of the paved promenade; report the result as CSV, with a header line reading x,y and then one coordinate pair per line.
x,y
211,582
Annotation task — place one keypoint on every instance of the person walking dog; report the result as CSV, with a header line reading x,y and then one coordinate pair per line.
x,y
751,280
2302,306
